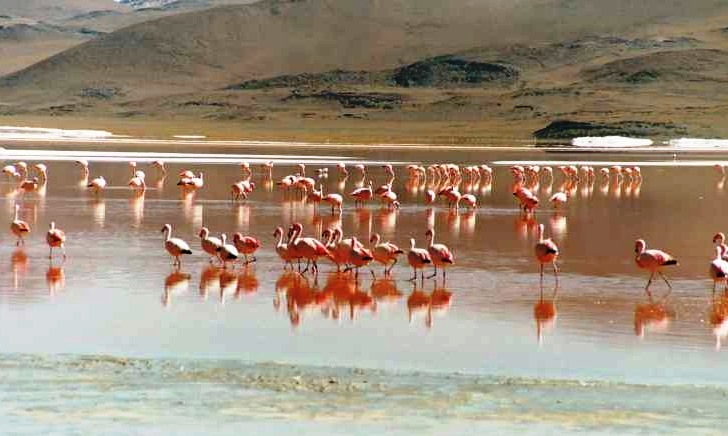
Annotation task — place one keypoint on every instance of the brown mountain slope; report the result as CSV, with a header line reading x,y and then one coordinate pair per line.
x,y
216,47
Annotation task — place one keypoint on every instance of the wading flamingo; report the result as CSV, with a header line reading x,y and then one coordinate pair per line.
x,y
385,253
362,195
209,244
56,238
174,246
227,252
97,185
439,253
417,258
309,248
652,260
18,227
719,268
282,248
546,251
246,245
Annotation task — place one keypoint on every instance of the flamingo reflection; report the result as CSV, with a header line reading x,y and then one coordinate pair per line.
x,y
176,283
544,312
18,265
384,291
209,280
228,285
719,318
420,302
55,279
247,282
652,316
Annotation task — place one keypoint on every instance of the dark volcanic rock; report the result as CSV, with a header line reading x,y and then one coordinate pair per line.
x,y
350,100
447,71
565,129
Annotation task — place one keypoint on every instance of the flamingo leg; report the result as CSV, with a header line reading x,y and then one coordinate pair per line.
x,y
414,277
649,282
433,274
63,250
50,256
556,272
665,279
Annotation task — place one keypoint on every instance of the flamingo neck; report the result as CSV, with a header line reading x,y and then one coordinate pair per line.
x,y
168,233
280,238
412,244
375,240
540,233
223,238
17,209
53,225
431,238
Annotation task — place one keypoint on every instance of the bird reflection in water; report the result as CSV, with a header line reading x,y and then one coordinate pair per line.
x,y
342,292
544,312
719,318
387,221
228,285
362,221
175,284
653,316
209,280
525,223
136,204
420,302
243,216
247,282
98,210
55,279
18,265
453,222
558,225
159,184
385,293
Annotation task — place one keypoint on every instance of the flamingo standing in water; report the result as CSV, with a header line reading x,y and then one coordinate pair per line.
x,y
384,252
546,251
83,163
209,244
159,165
56,238
417,258
362,195
719,268
18,227
439,253
175,246
246,245
282,248
227,252
97,185
309,248
653,261
334,200
359,257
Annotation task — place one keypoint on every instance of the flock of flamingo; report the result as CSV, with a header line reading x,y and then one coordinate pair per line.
x,y
349,253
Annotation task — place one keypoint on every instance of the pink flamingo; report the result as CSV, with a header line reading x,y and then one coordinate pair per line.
x,y
175,247
18,227
417,258
282,248
56,238
237,191
546,251
334,200
527,199
652,260
362,195
309,248
719,268
559,199
209,244
246,245
227,252
719,240
429,196
384,252
97,185
359,257
439,253
470,201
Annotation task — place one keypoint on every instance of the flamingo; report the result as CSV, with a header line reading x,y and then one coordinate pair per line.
x,y
268,168
83,163
42,170
282,248
546,251
335,201
210,245
362,195
18,227
175,247
558,199
10,171
246,245
56,238
384,252
429,196
417,258
159,165
439,253
192,182
309,248
527,199
137,182
237,191
341,168
30,184
22,169
97,185
652,260
359,257
470,201
227,252
339,249
315,196
719,268
245,169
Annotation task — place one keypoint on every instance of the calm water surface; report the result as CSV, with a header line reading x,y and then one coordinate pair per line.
x,y
488,349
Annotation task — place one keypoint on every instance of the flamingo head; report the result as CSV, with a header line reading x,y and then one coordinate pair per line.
x,y
412,243
277,232
639,246
326,234
429,233
395,204
719,238
237,237
166,228
374,239
204,232
132,164
52,225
